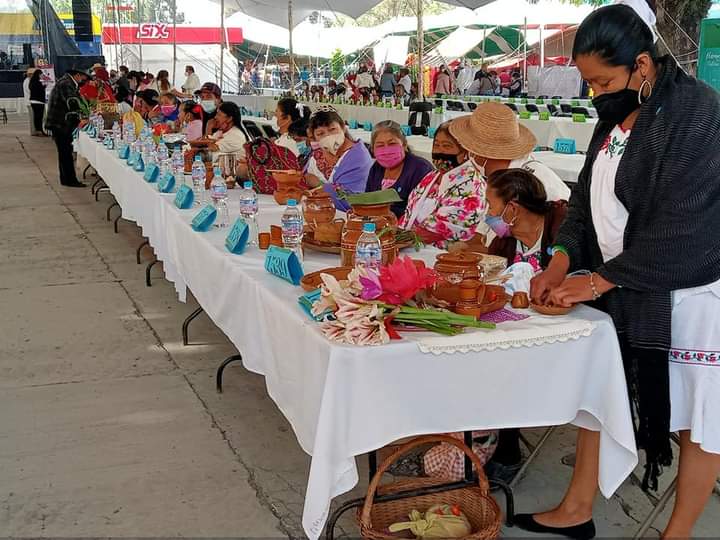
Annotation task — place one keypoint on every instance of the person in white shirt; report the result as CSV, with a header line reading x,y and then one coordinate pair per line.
x,y
230,136
405,81
287,112
192,81
364,82
26,97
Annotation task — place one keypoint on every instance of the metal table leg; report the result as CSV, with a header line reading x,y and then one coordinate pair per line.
x,y
99,190
86,170
107,213
534,454
187,322
226,362
148,280
139,249
95,185
657,510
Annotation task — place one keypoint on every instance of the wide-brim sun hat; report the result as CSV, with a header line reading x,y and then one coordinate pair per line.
x,y
493,131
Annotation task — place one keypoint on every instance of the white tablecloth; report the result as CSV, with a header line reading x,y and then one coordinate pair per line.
x,y
344,401
546,131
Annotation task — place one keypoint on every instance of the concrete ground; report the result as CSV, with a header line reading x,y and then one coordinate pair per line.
x,y
110,427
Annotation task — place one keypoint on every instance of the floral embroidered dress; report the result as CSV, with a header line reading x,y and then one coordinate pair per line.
x,y
695,328
451,205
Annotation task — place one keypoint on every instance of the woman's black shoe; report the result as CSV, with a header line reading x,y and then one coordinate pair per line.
x,y
584,531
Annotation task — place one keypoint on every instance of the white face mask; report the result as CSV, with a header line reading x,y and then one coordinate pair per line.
x,y
331,143
208,105
479,168
274,123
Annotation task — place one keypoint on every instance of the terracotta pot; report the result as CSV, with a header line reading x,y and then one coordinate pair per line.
x,y
318,208
276,236
264,240
288,185
453,268
382,217
209,173
329,233
189,157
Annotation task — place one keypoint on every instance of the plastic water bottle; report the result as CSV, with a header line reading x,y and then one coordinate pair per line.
x,y
178,162
368,252
129,134
249,210
116,134
198,180
292,228
219,194
162,151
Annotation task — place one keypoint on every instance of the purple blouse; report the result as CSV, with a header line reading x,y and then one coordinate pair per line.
x,y
414,170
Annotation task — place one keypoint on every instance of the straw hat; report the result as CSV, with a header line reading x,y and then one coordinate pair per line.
x,y
96,66
30,71
492,131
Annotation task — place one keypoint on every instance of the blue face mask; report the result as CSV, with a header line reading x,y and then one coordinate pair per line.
x,y
303,148
499,226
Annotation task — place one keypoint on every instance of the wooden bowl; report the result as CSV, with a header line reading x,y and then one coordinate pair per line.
x,y
313,281
551,310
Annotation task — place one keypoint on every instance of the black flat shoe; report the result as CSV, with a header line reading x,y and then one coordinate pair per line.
x,y
584,531
79,184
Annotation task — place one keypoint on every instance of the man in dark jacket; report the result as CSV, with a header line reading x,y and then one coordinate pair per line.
x,y
62,119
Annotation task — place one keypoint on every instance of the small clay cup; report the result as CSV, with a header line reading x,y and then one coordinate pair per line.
x,y
520,300
264,240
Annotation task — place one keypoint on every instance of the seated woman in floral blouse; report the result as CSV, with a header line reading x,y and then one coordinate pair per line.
x,y
448,208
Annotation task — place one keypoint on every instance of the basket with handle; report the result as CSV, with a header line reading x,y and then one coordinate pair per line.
x,y
475,501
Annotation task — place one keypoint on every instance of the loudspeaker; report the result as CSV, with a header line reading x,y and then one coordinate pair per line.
x,y
27,54
82,20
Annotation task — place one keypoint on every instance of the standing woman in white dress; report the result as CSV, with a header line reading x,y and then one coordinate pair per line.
x,y
644,221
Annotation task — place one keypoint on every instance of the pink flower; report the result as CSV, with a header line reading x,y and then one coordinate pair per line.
x,y
403,279
371,286
470,204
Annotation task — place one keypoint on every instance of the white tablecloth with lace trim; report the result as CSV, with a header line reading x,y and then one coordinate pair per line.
x,y
344,401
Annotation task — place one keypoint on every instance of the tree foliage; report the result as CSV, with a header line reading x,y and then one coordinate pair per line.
x,y
337,63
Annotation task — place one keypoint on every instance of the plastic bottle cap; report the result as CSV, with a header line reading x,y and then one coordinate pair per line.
x,y
217,171
248,184
292,202
198,158
369,227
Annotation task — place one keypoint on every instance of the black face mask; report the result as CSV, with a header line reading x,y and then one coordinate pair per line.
x,y
444,162
615,107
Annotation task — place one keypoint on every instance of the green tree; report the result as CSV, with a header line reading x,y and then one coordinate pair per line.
x,y
337,63
678,22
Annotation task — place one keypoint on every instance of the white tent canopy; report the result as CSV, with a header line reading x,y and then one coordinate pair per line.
x,y
276,11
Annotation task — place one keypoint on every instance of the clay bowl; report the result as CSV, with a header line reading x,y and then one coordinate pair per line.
x,y
283,194
286,178
313,281
551,310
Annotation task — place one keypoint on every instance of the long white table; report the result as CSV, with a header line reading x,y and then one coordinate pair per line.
x,y
344,401
545,131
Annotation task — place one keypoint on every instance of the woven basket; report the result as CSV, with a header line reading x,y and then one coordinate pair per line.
x,y
475,502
